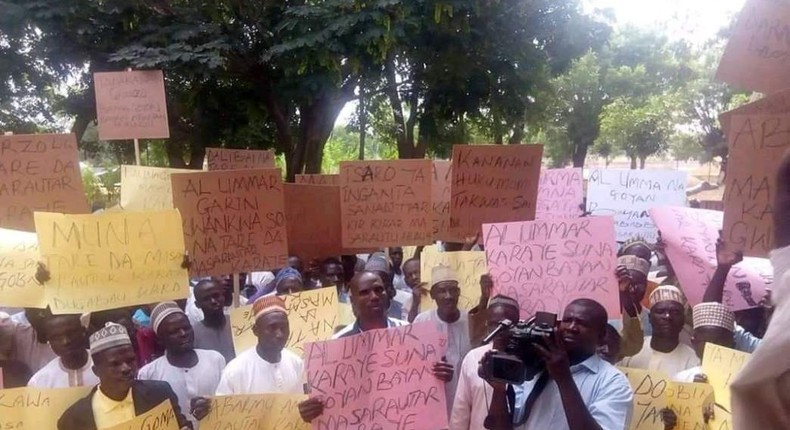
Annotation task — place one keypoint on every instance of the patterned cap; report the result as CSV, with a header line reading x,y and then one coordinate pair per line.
x,y
443,274
162,311
108,337
268,304
666,293
632,262
377,263
500,300
713,314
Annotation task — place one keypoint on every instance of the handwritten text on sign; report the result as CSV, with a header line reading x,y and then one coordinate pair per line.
x,y
234,159
560,194
720,365
440,198
18,261
147,188
757,145
649,398
772,104
690,236
234,221
161,417
379,379
39,172
546,265
111,260
493,183
312,316
131,105
468,266
255,412
34,409
629,194
756,55
312,214
318,179
386,203
689,401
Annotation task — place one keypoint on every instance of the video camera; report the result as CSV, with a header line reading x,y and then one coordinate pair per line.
x,y
520,361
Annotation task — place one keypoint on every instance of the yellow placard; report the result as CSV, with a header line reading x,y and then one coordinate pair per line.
x,y
650,397
346,314
468,266
111,260
18,261
312,315
259,412
689,401
161,417
720,365
147,188
34,409
722,420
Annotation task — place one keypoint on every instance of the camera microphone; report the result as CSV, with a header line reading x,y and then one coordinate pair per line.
x,y
503,325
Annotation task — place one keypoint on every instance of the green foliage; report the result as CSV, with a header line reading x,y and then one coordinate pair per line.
x,y
343,145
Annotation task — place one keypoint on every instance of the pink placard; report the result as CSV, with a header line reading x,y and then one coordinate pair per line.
x,y
547,264
379,379
560,194
690,236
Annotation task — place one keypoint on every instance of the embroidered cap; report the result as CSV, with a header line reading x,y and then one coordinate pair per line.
x,y
442,274
500,300
713,314
666,293
162,311
377,263
632,262
268,304
110,336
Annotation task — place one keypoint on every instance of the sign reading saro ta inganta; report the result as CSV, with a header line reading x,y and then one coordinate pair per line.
x,y
39,172
312,214
111,260
379,379
545,265
493,183
236,159
234,221
131,105
385,203
629,194
560,194
757,145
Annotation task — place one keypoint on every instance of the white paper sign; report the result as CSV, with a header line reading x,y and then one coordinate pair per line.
x,y
629,194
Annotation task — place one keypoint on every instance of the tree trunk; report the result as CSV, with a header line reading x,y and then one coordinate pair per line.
x,y
642,162
518,134
405,147
363,123
633,162
580,152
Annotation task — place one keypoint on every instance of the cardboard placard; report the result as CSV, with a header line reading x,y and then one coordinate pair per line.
x,y
32,408
112,260
756,55
757,145
440,198
255,412
161,417
649,398
690,236
560,194
387,381
469,266
131,105
147,188
546,265
312,215
18,262
689,401
239,159
39,172
720,365
629,194
493,183
386,203
772,104
234,221
318,179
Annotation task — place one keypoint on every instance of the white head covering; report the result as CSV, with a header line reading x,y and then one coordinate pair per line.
x,y
713,314
162,311
108,337
666,293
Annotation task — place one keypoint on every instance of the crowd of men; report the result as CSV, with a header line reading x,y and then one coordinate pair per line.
x,y
183,351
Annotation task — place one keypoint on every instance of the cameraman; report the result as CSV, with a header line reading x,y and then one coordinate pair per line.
x,y
577,391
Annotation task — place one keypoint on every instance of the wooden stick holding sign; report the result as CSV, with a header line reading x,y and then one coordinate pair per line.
x,y
236,298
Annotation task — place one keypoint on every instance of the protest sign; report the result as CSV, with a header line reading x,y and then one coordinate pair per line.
x,y
239,159
468,266
690,238
757,145
546,265
771,104
722,420
650,398
111,260
255,412
18,262
34,409
756,55
493,183
234,221
720,365
346,315
689,401
440,198
629,194
318,179
312,316
131,105
161,417
39,172
312,215
379,379
560,194
384,203
147,188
